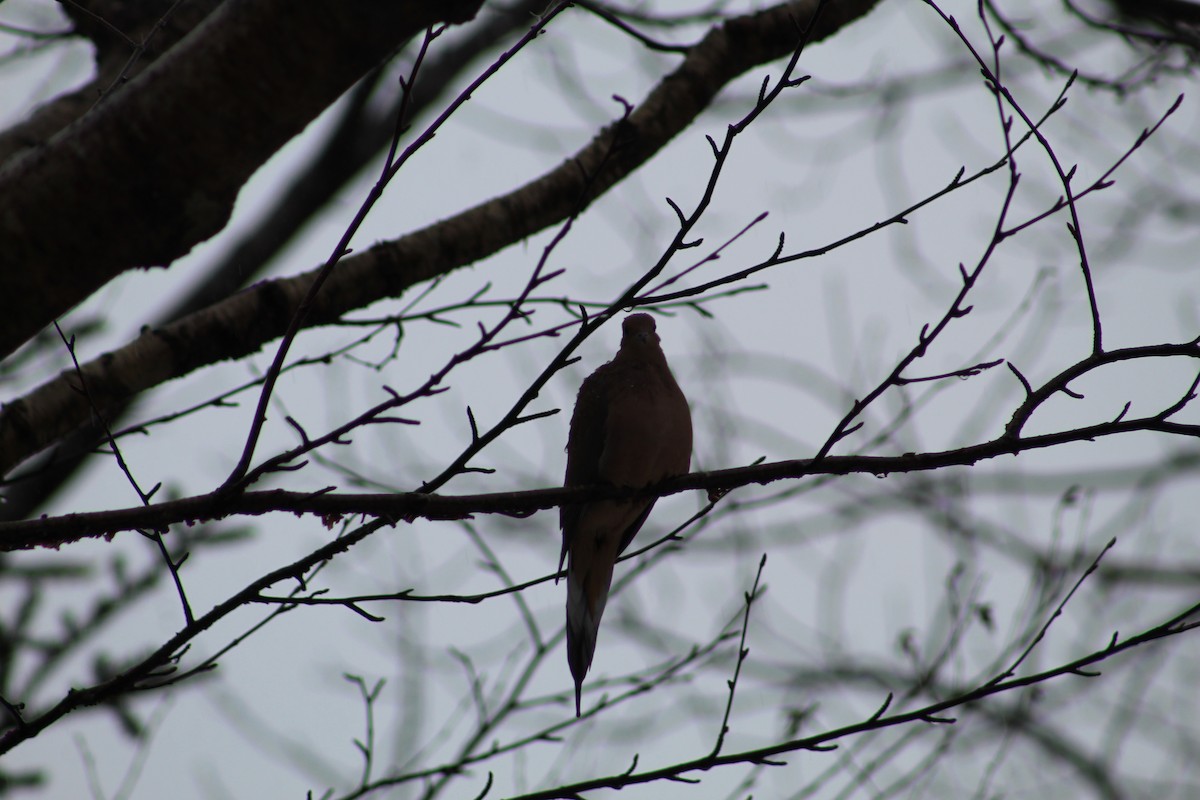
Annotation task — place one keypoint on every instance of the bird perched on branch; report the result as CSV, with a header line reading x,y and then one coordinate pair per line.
x,y
631,428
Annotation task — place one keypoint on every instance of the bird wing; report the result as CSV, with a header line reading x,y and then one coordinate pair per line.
x,y
585,443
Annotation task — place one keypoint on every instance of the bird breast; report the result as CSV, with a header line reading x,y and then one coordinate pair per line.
x,y
648,433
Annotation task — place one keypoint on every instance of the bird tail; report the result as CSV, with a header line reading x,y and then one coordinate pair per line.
x,y
585,606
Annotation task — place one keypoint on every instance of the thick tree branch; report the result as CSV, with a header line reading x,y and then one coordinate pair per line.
x,y
112,61
155,169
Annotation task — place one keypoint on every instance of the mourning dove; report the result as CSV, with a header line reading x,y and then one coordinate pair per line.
x,y
631,428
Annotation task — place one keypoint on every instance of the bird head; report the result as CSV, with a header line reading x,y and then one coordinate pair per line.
x,y
638,329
